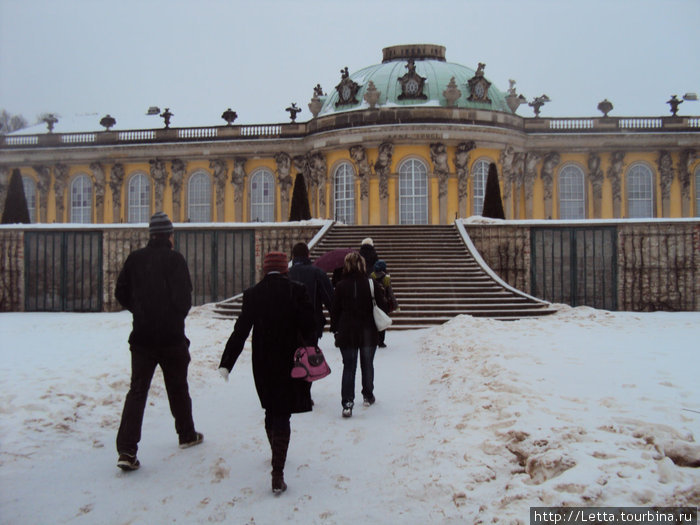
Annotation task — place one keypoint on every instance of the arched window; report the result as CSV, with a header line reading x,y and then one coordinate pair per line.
x,y
262,196
413,192
30,195
697,191
199,198
139,199
480,171
572,193
640,192
81,200
345,193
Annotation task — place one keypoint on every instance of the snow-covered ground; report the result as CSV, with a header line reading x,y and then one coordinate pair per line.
x,y
475,421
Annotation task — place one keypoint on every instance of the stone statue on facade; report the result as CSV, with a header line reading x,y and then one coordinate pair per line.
x,y
60,183
529,175
98,173
159,174
238,177
438,155
382,167
359,156
506,159
220,170
549,163
116,180
617,159
178,168
686,158
595,175
461,160
666,176
318,173
284,166
43,183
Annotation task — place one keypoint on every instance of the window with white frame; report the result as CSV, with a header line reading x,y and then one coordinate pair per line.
x,y
139,198
640,192
480,172
413,192
697,191
572,193
199,198
30,195
344,179
262,196
81,200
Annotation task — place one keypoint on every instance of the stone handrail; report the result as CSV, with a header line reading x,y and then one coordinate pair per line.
x,y
354,119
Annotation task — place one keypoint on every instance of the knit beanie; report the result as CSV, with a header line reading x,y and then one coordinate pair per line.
x,y
380,266
160,223
368,240
275,262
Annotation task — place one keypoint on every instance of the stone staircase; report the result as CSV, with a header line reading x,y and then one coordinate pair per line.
x,y
434,276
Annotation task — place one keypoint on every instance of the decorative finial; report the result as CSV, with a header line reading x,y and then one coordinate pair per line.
x,y
537,103
229,116
50,120
108,121
166,117
674,102
605,107
293,110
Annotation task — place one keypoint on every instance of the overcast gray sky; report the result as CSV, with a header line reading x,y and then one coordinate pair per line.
x,y
199,57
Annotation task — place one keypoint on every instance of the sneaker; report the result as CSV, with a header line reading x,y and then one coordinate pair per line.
x,y
128,462
368,401
198,438
347,409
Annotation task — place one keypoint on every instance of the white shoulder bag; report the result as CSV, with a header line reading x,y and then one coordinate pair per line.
x,y
381,319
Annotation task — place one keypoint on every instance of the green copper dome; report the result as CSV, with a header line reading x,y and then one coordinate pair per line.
x,y
392,79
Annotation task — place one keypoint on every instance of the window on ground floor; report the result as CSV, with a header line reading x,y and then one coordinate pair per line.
x,y
413,192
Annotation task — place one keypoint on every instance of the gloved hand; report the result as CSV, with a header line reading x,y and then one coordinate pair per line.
x,y
223,372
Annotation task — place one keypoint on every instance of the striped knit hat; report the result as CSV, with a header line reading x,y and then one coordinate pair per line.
x,y
160,223
275,262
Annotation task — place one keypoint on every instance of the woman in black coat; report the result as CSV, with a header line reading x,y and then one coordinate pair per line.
x,y
281,316
352,323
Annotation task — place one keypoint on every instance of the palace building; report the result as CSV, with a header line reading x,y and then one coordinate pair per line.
x,y
405,141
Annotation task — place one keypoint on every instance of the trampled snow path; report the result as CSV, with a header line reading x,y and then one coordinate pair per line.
x,y
475,420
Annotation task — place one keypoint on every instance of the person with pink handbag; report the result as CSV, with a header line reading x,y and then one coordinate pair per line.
x,y
279,312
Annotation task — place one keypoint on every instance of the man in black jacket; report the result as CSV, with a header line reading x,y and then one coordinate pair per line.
x,y
317,283
155,286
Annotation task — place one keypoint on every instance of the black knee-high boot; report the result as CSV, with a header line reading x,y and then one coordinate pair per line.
x,y
279,442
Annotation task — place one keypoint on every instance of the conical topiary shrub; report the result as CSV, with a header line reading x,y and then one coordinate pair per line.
x,y
300,210
493,205
16,210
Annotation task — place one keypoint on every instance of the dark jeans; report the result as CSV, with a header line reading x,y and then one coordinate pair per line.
x,y
173,362
347,389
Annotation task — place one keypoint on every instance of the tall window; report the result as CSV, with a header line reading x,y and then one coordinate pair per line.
x,y
640,192
345,193
697,191
413,192
480,171
262,196
572,193
139,199
199,198
81,200
30,195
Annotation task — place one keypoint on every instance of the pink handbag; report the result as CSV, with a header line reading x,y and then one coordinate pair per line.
x,y
310,364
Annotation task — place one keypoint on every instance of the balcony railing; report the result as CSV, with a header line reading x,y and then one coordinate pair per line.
x,y
356,119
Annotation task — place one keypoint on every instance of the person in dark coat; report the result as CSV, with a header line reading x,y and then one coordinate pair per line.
x,y
384,279
154,285
352,322
317,283
279,312
369,253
